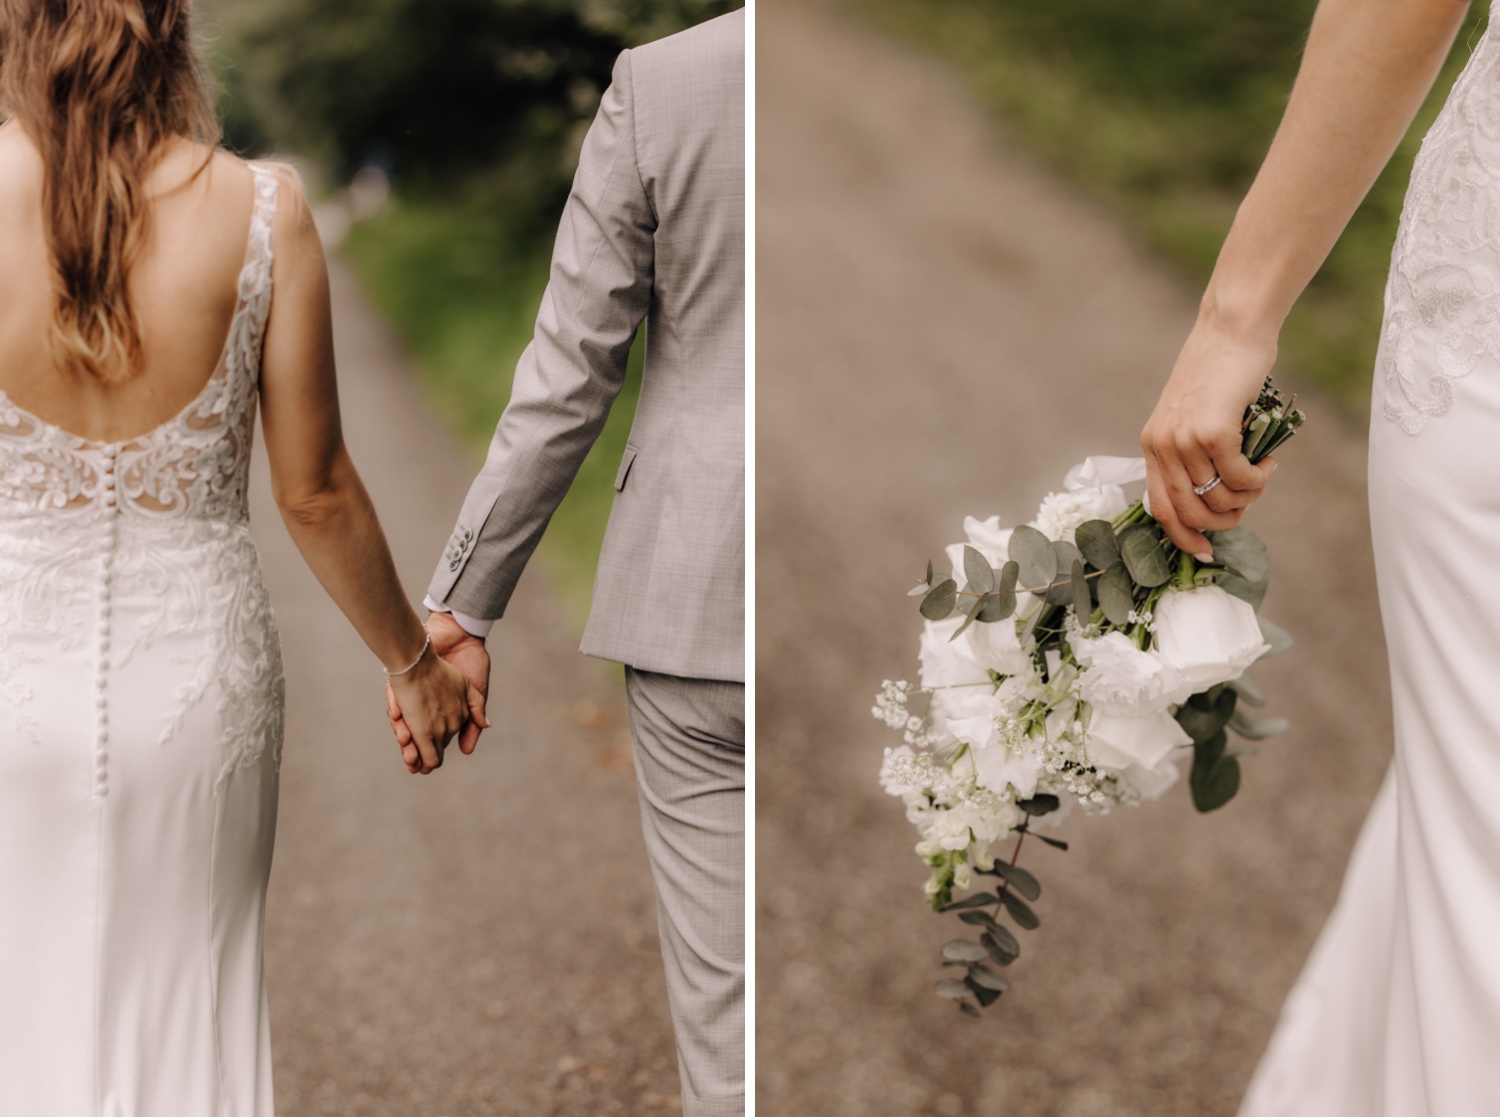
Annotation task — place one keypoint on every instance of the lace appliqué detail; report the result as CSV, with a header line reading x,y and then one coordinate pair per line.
x,y
183,561
1442,300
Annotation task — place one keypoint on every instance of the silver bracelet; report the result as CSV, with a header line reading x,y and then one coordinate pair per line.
x,y
420,656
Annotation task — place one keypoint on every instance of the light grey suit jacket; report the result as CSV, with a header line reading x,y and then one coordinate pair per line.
x,y
654,229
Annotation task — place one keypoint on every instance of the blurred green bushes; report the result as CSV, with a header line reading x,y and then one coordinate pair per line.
x,y
476,109
1164,109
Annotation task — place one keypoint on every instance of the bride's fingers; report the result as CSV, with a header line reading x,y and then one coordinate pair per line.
x,y
1192,470
1178,510
431,756
1238,474
1241,483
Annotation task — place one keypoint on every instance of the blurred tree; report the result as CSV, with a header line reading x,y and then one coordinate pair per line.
x,y
1165,108
432,89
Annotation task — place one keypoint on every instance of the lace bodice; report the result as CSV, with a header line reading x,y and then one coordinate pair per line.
x,y
195,464
1442,300
121,552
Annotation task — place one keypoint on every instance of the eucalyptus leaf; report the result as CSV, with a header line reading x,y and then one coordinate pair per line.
x,y
940,600
978,571
1019,879
1005,596
1144,552
1067,555
1117,594
984,995
1032,551
1249,690
994,607
1252,592
969,614
953,990
964,950
1215,784
1020,911
978,900
1201,724
977,918
918,590
969,1009
1096,539
1083,602
982,975
1055,843
929,572
1242,551
1039,805
1207,753
1279,638
1001,944
1258,729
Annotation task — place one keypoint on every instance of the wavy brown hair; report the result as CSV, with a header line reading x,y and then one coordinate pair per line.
x,y
100,86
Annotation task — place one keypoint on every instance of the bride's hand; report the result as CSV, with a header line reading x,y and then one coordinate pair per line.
x,y
1194,435
436,701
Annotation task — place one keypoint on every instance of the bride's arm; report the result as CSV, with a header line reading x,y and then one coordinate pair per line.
x,y
1367,68
320,495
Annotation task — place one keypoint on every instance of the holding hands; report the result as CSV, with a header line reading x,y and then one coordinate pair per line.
x,y
442,696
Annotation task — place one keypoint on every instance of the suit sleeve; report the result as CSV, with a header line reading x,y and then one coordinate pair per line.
x,y
597,295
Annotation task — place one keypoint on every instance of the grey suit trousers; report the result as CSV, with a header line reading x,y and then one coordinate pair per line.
x,y
690,765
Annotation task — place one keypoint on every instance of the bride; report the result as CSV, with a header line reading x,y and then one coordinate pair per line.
x,y
1397,1012
155,292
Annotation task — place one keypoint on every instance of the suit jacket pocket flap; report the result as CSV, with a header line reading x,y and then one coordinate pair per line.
x,y
625,463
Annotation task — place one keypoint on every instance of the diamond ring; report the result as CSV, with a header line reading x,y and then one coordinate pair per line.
x,y
1208,486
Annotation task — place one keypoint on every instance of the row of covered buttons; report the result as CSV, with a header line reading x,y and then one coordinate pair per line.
x,y
109,497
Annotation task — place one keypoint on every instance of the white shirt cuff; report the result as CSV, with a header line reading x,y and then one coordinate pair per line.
x,y
474,626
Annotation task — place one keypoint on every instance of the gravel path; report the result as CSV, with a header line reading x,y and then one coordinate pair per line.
x,y
945,328
481,941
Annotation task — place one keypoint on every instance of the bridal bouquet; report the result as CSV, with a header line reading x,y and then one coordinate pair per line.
x,y
1078,660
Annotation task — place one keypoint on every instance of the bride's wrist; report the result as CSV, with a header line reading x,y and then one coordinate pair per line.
x,y
413,664
1242,316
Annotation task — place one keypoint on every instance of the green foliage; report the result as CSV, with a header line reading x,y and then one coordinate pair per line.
x,y
459,285
434,88
477,107
1143,548
1164,109
1216,774
940,601
1033,552
1117,595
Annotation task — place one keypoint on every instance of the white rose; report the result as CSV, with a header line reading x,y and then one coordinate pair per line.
x,y
989,538
945,662
1153,783
997,766
1208,635
1115,743
993,644
971,717
1121,679
1061,513
996,647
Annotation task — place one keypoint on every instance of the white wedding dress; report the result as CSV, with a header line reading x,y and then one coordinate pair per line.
x,y
1397,1013
141,708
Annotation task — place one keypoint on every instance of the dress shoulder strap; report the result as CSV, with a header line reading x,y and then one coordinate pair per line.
x,y
255,280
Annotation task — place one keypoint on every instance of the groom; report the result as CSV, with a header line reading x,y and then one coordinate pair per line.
x,y
654,230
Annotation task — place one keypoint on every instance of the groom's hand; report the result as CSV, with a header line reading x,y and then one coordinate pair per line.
x,y
468,654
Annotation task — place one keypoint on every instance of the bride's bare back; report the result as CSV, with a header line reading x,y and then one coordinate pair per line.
x,y
183,289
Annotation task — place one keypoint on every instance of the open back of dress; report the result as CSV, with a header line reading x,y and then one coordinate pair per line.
x,y
141,713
